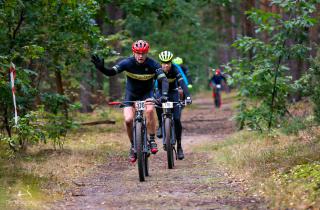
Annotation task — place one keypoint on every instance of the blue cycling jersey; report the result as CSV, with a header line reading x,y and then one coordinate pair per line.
x,y
180,69
140,77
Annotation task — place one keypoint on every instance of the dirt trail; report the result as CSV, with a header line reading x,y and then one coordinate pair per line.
x,y
195,183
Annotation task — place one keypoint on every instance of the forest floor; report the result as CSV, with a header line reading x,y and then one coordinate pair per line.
x,y
197,182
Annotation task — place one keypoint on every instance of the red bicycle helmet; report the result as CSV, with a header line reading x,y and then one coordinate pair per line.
x,y
140,46
218,71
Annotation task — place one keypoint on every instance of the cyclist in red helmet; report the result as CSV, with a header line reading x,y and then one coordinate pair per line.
x,y
216,84
141,71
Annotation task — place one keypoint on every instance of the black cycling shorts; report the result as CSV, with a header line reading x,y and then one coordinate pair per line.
x,y
134,97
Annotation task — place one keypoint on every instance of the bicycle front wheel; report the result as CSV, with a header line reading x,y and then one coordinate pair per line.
x,y
169,147
139,148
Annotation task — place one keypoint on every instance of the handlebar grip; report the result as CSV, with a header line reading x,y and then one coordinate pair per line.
x,y
114,103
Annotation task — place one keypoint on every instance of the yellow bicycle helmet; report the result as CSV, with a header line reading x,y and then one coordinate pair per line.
x,y
165,56
177,60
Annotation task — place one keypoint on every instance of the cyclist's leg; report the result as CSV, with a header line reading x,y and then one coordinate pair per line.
x,y
174,96
159,115
178,127
128,113
151,123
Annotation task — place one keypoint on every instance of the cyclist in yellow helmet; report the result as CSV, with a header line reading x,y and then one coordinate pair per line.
x,y
175,80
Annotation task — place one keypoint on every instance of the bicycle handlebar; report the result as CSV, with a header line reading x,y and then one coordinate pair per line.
x,y
156,102
115,103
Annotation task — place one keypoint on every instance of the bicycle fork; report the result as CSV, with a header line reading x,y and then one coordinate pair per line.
x,y
173,135
146,148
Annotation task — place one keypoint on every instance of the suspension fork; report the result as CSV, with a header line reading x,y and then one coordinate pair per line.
x,y
168,114
139,118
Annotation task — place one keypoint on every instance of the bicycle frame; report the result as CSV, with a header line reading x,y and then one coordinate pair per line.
x,y
140,142
139,117
167,113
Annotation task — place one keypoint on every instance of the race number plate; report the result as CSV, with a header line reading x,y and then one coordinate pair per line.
x,y
140,105
167,105
219,86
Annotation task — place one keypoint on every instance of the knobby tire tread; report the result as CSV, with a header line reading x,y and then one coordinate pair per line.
x,y
169,147
139,147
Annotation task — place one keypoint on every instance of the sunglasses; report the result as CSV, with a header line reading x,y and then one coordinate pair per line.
x,y
165,62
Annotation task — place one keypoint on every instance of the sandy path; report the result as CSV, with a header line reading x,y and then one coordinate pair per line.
x,y
194,183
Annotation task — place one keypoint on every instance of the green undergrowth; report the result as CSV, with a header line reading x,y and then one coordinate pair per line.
x,y
284,169
41,174
300,185
295,124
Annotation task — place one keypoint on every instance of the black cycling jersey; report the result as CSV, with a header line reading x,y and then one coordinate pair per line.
x,y
140,77
217,79
175,79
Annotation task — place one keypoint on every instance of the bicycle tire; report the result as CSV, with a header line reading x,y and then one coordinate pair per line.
x,y
140,153
146,153
169,146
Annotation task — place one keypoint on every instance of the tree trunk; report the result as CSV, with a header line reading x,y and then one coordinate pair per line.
x,y
314,34
60,90
115,13
223,54
100,22
247,25
233,29
85,93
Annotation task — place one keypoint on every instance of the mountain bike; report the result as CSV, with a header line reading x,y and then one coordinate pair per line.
x,y
217,95
168,130
140,140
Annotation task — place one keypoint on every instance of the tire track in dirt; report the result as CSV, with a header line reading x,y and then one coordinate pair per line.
x,y
194,183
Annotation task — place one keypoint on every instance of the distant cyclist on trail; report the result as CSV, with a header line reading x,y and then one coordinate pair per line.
x,y
141,71
216,83
175,80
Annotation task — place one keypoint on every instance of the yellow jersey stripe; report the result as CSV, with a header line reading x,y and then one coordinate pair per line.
x,y
143,77
170,80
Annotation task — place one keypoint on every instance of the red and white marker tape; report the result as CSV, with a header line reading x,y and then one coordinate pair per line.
x,y
12,78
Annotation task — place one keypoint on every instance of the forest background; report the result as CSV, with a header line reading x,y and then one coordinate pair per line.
x,y
267,47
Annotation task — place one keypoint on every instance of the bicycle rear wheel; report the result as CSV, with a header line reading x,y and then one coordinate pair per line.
x,y
169,147
139,148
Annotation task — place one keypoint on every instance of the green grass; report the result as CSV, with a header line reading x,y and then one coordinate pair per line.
x,y
296,124
301,184
266,158
18,187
